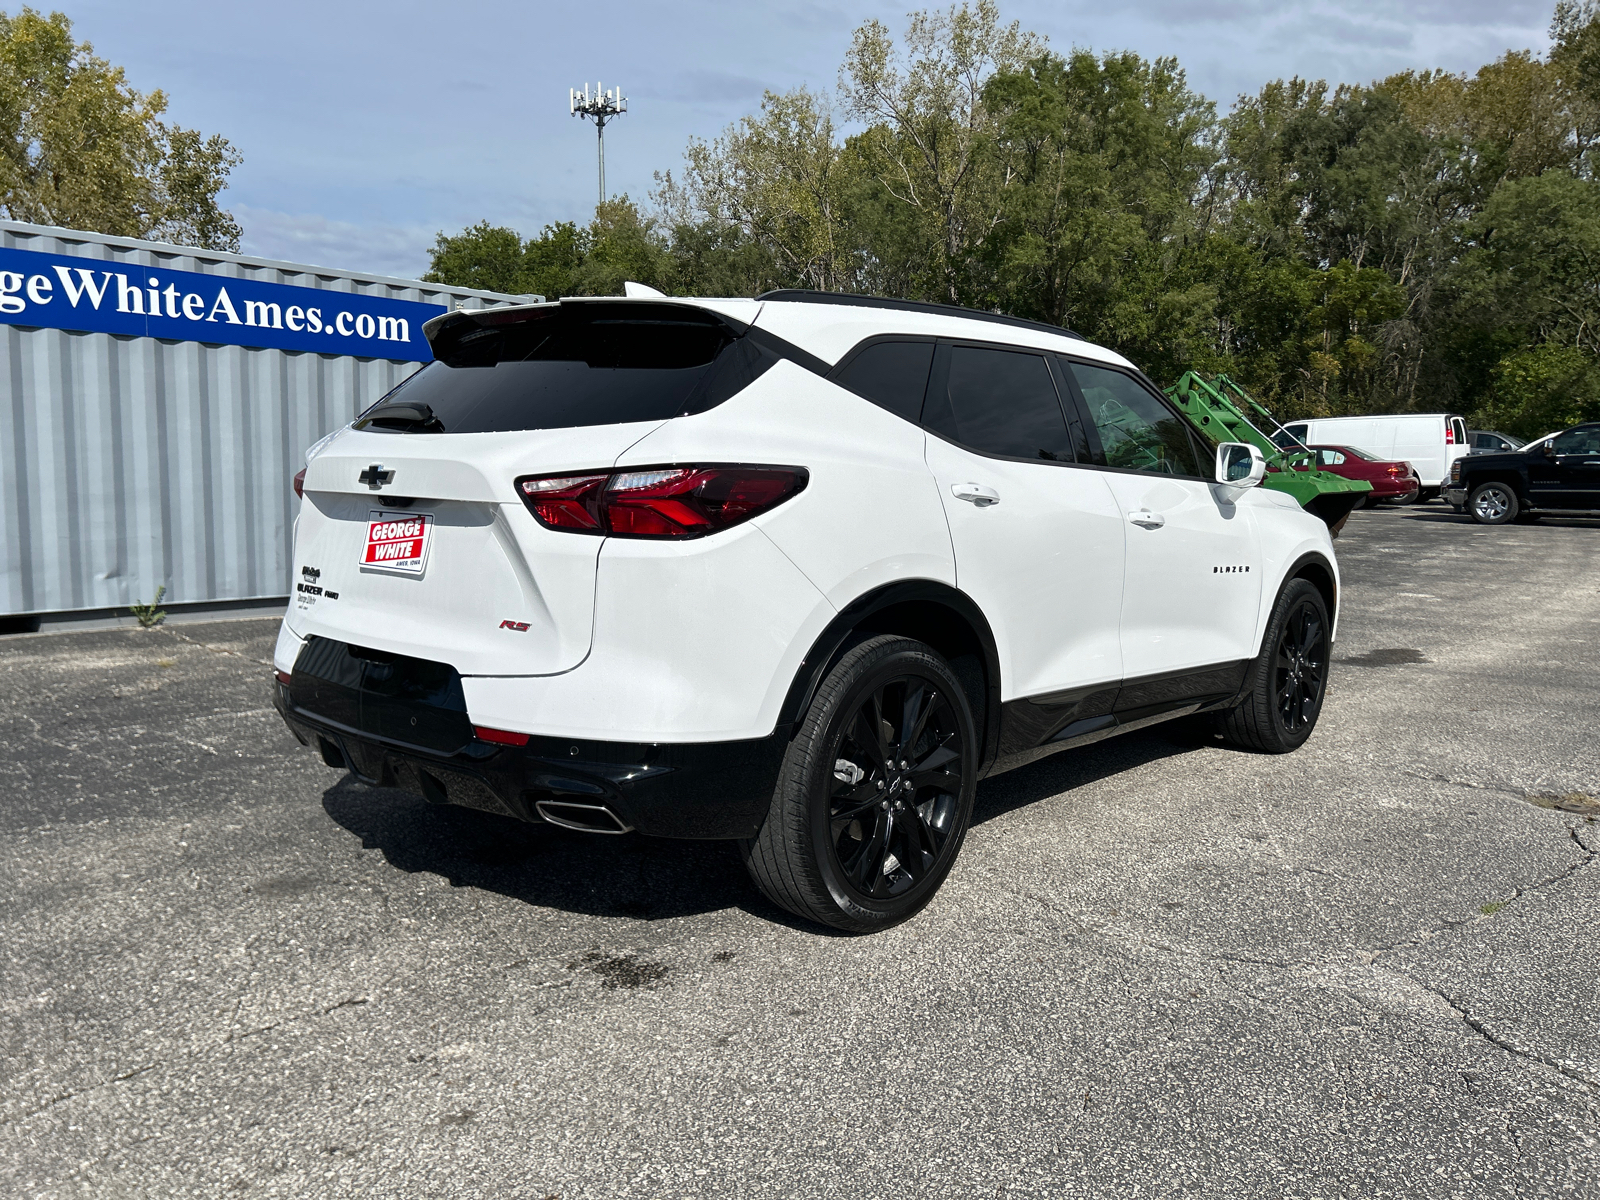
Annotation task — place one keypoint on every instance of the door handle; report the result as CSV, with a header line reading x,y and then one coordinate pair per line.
x,y
975,493
1147,519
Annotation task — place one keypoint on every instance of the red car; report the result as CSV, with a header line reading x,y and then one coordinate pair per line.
x,y
1393,482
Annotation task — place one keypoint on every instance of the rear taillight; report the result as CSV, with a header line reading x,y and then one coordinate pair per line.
x,y
300,482
1449,435
283,678
658,502
1397,470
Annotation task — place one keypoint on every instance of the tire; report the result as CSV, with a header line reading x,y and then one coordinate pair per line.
x,y
845,810
1493,503
1288,680
1427,495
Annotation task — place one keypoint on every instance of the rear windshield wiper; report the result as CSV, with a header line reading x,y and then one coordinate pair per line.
x,y
404,416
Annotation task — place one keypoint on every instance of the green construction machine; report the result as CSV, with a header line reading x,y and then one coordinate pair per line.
x,y
1219,410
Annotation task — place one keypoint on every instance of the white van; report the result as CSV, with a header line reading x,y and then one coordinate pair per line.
x,y
1430,443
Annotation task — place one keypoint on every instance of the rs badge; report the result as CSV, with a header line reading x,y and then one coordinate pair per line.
x,y
519,626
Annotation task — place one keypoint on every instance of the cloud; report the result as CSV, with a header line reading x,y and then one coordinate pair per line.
x,y
707,87
398,250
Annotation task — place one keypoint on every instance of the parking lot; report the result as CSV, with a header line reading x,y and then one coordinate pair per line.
x,y
1160,967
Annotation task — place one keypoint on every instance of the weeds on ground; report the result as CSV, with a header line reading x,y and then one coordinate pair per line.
x,y
148,615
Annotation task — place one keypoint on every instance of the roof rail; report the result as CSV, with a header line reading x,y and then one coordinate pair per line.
x,y
806,296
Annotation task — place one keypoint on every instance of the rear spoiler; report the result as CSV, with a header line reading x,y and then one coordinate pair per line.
x,y
449,332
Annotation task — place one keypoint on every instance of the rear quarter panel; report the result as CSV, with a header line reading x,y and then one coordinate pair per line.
x,y
870,513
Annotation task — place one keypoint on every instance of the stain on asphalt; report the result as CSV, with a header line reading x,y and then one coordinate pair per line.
x,y
619,970
1396,656
460,1118
285,887
1573,802
722,956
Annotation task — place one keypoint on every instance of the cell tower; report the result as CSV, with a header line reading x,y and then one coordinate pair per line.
x,y
604,106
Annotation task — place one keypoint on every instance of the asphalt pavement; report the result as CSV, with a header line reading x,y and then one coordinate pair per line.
x,y
1160,968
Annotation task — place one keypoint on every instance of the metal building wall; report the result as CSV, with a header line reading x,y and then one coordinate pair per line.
x,y
129,463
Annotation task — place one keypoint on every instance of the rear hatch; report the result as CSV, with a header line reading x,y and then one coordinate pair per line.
x,y
474,580
412,537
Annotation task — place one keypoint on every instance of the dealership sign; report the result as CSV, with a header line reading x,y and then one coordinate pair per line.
x,y
56,291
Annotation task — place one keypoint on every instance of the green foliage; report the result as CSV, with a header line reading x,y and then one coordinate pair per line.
x,y
1425,242
148,615
620,244
80,148
488,257
1541,389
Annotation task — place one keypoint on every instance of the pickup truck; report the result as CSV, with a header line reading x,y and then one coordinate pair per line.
x,y
1560,473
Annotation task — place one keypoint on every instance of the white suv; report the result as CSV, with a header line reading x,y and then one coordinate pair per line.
x,y
797,570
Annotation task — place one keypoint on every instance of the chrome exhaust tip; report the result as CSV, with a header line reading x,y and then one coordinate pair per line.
x,y
585,818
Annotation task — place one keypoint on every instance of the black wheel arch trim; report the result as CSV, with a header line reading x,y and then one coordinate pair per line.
x,y
1328,586
856,621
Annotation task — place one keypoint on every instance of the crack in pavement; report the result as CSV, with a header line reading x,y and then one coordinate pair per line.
x,y
65,1096
1482,1030
1132,940
198,1052
215,649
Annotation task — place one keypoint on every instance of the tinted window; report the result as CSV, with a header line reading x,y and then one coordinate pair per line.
x,y
1329,458
893,375
587,364
1137,431
1579,441
1001,402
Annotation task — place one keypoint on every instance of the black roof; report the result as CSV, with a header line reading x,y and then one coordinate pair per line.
x,y
805,296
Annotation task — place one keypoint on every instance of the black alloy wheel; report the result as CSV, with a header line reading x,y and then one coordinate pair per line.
x,y
1288,681
896,787
876,790
1300,672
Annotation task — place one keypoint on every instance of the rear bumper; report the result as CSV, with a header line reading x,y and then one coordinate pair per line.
x,y
684,790
1396,489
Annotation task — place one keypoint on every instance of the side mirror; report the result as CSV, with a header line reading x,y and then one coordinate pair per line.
x,y
1240,466
1549,448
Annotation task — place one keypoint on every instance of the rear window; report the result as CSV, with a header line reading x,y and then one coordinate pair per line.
x,y
572,365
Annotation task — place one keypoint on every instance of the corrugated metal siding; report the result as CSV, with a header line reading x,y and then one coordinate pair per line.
x,y
129,463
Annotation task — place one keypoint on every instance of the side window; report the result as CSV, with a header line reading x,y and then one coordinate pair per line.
x,y
1578,441
1000,402
893,375
1137,431
1329,458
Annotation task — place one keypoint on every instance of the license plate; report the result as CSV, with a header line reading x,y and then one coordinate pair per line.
x,y
397,542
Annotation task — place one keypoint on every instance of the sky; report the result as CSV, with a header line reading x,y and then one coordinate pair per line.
x,y
368,128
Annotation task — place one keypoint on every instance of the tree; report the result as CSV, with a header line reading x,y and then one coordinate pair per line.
x,y
564,260
929,134
488,257
80,148
781,180
1108,161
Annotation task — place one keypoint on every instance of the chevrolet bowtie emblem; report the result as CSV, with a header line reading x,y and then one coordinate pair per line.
x,y
375,476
